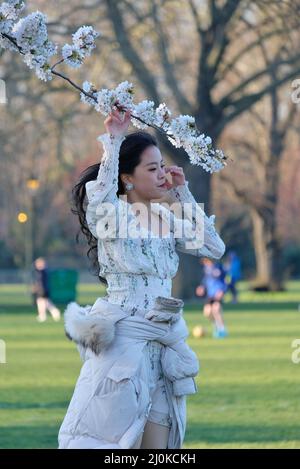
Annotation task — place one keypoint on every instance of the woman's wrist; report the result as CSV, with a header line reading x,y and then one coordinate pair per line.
x,y
180,192
116,135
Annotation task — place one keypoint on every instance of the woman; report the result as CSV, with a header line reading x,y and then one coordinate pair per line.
x,y
137,370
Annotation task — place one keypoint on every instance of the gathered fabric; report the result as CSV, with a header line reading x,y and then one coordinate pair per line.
x,y
111,401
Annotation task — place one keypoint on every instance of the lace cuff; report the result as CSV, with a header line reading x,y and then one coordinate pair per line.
x,y
181,193
109,141
213,245
105,187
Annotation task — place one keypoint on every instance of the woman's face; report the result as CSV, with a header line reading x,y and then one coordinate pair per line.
x,y
149,176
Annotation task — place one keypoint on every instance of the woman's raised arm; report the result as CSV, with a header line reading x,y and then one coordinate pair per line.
x,y
104,189
196,227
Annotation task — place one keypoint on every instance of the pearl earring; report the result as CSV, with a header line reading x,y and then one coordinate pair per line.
x,y
128,186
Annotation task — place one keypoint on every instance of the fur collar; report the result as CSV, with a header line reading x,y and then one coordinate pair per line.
x,y
94,326
88,330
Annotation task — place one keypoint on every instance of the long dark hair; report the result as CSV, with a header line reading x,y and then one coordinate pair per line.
x,y
129,157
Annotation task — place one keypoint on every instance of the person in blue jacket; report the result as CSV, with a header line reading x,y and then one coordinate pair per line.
x,y
212,289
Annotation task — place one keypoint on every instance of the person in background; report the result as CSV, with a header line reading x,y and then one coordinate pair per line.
x,y
40,290
233,274
212,289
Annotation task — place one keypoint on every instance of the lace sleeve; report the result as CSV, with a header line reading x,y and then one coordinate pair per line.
x,y
196,226
104,188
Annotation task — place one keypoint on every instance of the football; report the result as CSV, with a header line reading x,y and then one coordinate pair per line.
x,y
199,331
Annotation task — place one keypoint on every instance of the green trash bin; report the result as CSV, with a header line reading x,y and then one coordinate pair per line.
x,y
62,285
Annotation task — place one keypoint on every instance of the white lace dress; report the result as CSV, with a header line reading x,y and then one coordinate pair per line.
x,y
140,269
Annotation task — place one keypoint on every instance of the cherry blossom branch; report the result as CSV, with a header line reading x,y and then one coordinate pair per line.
x,y
29,37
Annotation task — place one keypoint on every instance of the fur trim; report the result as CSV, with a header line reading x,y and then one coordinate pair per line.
x,y
88,330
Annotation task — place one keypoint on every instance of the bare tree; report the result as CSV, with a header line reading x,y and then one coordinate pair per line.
x,y
200,57
266,152
222,41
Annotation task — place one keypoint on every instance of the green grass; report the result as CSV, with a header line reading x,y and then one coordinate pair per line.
x,y
248,386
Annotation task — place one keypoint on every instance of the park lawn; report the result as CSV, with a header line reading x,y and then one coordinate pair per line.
x,y
248,385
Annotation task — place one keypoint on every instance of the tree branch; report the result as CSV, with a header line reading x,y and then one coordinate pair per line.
x,y
75,9
247,101
228,67
143,73
227,101
182,102
293,109
228,11
251,198
196,17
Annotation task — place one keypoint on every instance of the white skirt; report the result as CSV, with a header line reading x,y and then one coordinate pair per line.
x,y
159,411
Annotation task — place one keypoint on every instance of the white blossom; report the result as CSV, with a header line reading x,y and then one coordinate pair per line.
x,y
44,72
202,154
83,43
181,131
40,57
31,31
72,56
84,39
181,128
162,116
5,26
11,9
124,94
6,43
145,111
31,36
6,20
105,101
91,89
40,64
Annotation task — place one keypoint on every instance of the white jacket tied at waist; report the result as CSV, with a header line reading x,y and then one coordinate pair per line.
x,y
111,400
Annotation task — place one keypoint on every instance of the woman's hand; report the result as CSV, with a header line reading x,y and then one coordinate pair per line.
x,y
115,124
177,174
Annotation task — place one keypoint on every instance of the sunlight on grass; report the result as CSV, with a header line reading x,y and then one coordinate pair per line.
x,y
248,387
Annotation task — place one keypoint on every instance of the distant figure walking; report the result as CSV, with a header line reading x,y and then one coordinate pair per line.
x,y
40,290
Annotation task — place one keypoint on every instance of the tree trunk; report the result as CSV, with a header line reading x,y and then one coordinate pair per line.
x,y
276,265
268,253
260,249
